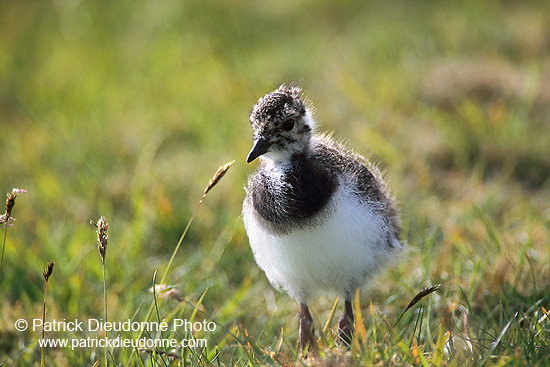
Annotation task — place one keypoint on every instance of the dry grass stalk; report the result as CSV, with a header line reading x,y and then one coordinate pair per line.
x,y
423,293
217,177
8,219
102,240
222,170
10,203
48,271
102,237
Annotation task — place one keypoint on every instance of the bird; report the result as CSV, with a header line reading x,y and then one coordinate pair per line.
x,y
320,218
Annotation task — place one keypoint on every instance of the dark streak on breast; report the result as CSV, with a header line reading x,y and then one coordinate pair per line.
x,y
303,201
300,200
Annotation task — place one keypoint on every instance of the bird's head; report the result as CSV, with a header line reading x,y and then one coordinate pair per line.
x,y
282,125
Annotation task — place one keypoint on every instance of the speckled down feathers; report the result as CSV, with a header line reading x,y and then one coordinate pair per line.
x,y
281,103
366,177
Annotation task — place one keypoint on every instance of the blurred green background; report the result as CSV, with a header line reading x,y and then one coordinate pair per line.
x,y
126,108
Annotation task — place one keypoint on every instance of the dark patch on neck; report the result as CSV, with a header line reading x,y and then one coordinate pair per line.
x,y
298,198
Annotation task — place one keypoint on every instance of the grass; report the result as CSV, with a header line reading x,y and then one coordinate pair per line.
x,y
46,273
102,241
125,110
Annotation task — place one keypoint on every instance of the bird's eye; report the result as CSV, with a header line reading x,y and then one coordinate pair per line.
x,y
288,125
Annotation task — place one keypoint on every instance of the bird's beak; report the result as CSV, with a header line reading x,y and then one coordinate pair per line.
x,y
260,147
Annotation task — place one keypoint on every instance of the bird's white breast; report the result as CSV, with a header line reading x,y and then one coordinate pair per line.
x,y
337,256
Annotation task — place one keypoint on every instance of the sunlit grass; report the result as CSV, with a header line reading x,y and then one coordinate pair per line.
x,y
125,109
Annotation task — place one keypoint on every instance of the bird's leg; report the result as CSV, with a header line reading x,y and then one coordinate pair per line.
x,y
345,324
306,328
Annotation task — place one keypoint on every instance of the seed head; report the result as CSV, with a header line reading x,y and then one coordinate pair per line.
x,y
217,176
423,293
102,237
167,291
10,203
48,271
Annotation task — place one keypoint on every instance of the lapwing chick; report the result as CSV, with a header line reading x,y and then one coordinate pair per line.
x,y
320,218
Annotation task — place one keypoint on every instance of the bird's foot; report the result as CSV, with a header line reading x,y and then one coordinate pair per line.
x,y
345,325
307,331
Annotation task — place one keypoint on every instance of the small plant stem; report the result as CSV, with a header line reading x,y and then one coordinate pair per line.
x,y
174,253
47,274
105,311
5,219
43,354
102,241
215,179
3,247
